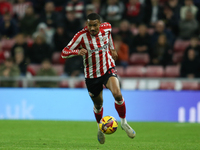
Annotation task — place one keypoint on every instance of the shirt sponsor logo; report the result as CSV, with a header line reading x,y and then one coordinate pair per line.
x,y
104,47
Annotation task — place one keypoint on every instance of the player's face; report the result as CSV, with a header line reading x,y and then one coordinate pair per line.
x,y
93,26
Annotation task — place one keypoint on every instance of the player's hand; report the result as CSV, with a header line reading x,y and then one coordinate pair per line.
x,y
114,54
82,52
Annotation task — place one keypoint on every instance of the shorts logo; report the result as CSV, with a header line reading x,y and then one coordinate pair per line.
x,y
91,95
112,71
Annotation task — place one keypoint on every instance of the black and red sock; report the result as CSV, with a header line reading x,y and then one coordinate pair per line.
x,y
121,108
98,114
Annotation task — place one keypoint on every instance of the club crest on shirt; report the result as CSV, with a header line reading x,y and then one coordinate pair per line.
x,y
104,39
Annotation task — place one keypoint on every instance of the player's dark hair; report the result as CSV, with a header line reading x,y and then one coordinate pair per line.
x,y
93,16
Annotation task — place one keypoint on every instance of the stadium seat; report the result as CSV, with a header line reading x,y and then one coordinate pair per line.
x,y
33,69
177,58
7,44
180,45
190,85
115,30
154,71
64,84
59,69
139,59
135,71
172,71
80,84
72,84
120,71
56,57
167,85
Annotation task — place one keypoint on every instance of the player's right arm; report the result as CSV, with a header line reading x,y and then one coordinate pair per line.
x,y
72,49
66,53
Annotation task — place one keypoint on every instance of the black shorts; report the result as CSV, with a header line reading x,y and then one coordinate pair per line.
x,y
95,85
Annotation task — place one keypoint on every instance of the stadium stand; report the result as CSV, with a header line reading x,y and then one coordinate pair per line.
x,y
58,68
139,64
7,44
64,84
172,71
80,84
167,85
135,71
120,71
56,57
115,30
181,45
150,30
177,58
190,86
139,59
154,71
33,69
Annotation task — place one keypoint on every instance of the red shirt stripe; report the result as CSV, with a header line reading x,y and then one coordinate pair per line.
x,y
101,55
86,69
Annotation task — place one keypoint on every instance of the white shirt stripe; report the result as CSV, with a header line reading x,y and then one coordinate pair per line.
x,y
89,56
76,43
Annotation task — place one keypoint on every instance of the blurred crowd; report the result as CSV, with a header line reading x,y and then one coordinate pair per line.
x,y
145,32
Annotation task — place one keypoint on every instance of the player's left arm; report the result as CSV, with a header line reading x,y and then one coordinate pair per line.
x,y
112,48
73,48
114,54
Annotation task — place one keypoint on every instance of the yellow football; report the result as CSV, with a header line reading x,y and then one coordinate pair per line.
x,y
108,125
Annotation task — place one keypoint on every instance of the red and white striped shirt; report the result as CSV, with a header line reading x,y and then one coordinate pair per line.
x,y
98,59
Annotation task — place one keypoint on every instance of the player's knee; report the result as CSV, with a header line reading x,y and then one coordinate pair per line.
x,y
98,106
117,95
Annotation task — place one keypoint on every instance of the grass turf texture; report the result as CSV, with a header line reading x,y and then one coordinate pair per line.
x,y
70,135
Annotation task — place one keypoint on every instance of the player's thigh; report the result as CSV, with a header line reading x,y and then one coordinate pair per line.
x,y
98,100
114,86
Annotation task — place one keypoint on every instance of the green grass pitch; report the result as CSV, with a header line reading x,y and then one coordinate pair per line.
x,y
71,135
